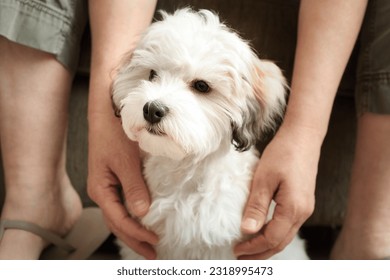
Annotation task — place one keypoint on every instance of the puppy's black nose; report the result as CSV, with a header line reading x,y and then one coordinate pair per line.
x,y
154,111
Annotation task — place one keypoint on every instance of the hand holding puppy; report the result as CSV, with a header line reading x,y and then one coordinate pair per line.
x,y
113,159
114,165
286,173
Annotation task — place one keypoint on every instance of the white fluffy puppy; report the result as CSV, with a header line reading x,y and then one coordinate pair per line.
x,y
196,98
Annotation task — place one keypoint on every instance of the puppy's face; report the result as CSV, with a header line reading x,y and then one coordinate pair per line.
x,y
193,87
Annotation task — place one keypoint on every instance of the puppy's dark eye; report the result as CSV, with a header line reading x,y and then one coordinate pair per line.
x,y
201,86
152,75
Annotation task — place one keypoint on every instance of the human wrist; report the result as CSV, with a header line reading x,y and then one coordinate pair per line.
x,y
101,120
302,134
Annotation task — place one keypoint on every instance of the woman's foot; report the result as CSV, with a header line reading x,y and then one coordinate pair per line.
x,y
54,207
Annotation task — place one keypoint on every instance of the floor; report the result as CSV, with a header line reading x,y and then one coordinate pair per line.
x,y
319,242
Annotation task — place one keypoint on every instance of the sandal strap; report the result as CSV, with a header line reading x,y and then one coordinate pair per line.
x,y
33,228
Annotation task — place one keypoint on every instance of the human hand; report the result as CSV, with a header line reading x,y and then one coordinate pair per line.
x,y
113,160
286,173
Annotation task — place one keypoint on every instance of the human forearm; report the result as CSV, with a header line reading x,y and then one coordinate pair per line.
x,y
327,32
112,159
116,28
287,169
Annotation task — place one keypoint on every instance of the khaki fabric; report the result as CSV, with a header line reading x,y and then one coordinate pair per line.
x,y
53,26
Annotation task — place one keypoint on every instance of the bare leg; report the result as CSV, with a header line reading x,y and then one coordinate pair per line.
x,y
34,91
365,233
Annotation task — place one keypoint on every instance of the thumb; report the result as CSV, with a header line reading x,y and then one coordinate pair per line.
x,y
136,194
256,209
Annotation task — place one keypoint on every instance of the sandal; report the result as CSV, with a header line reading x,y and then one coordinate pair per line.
x,y
86,236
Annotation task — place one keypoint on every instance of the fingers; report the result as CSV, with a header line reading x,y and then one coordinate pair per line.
x,y
128,171
115,164
256,209
273,239
278,233
121,224
268,253
255,213
141,248
135,236
136,194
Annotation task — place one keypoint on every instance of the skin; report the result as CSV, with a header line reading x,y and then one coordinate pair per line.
x,y
112,165
38,188
287,170
365,231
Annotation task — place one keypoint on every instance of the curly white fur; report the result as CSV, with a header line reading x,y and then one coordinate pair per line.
x,y
199,157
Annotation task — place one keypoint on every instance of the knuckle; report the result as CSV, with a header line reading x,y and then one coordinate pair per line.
x,y
132,230
308,211
134,192
256,209
272,243
121,227
130,191
278,248
91,191
117,225
301,209
306,208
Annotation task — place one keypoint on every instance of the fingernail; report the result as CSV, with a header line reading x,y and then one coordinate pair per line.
x,y
250,224
140,206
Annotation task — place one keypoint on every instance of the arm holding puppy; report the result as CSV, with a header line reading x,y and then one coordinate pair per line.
x,y
287,170
113,160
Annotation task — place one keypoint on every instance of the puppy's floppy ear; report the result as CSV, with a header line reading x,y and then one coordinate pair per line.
x,y
264,106
270,89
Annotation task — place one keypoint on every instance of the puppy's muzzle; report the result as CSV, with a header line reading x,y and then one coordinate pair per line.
x,y
155,111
